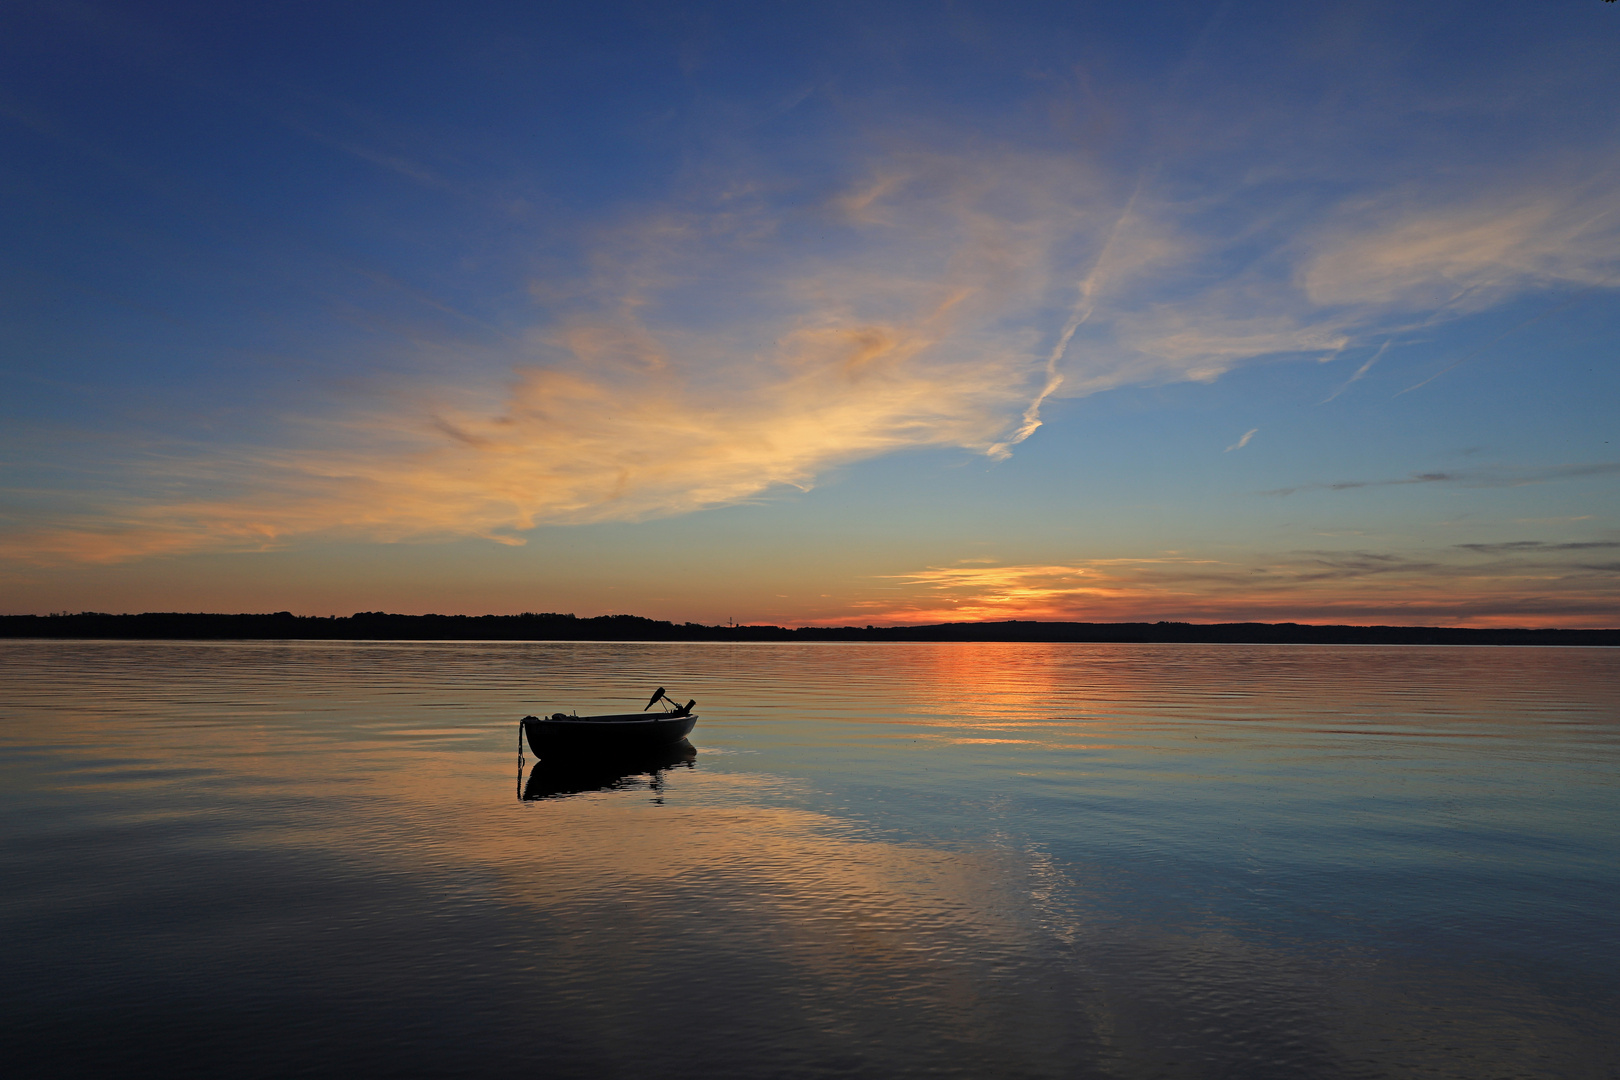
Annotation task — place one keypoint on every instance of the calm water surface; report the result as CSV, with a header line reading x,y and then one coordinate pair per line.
x,y
282,859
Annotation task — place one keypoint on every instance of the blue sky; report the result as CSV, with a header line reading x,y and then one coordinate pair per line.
x,y
813,313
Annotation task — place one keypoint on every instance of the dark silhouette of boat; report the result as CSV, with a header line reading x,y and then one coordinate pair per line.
x,y
558,778
613,734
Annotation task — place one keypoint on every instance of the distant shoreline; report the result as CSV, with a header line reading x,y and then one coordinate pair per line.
x,y
284,626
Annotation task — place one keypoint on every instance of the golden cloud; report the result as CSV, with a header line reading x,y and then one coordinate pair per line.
x,y
702,366
715,354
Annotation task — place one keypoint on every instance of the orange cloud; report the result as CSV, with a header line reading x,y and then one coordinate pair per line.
x,y
714,354
1525,584
617,438
699,368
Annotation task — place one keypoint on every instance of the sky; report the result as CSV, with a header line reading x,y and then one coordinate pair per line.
x,y
831,313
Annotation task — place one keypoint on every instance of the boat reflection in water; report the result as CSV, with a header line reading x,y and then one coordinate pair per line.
x,y
558,778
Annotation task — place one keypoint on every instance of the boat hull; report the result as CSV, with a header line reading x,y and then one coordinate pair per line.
x,y
629,733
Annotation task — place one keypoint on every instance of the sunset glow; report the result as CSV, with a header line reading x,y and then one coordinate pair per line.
x,y
896,313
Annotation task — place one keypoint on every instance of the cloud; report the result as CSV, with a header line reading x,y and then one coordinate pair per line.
x,y
1475,478
1203,340
1382,269
630,440
748,340
1534,547
1241,443
1109,262
1360,372
983,593
1528,583
1468,257
709,359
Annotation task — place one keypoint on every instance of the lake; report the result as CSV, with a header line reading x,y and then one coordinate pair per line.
x,y
273,859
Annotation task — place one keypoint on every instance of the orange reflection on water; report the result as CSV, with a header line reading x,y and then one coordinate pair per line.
x,y
746,906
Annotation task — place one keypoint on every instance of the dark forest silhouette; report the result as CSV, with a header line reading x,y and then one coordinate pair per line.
x,y
375,625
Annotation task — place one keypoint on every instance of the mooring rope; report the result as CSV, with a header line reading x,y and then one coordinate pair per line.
x,y
520,762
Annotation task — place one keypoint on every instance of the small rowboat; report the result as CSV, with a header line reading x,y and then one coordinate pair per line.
x,y
615,733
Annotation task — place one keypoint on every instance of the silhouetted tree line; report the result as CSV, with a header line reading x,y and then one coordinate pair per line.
x,y
550,626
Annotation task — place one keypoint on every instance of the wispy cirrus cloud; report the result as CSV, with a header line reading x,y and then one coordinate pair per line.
x,y
1393,254
697,365
630,442
1382,268
754,338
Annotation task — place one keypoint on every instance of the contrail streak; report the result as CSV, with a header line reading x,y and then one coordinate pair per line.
x,y
1084,306
1432,318
1088,287
1360,371
1555,309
